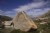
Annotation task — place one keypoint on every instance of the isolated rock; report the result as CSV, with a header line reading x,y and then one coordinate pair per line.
x,y
23,22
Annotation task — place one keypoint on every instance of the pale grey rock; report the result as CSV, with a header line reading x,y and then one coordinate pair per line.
x,y
23,22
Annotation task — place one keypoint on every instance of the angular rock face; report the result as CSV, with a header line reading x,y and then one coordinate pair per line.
x,y
23,22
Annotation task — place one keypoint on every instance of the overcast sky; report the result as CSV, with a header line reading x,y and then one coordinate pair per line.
x,y
31,7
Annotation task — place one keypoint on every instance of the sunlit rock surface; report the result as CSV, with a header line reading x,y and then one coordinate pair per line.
x,y
23,22
8,24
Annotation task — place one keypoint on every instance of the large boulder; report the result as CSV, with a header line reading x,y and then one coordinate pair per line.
x,y
23,22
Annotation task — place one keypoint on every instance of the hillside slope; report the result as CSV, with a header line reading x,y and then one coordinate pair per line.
x,y
5,18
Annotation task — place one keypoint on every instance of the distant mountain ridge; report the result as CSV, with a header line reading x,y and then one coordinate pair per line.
x,y
46,14
5,18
